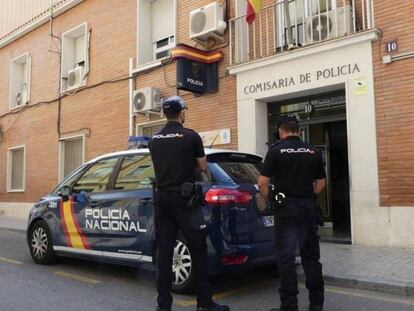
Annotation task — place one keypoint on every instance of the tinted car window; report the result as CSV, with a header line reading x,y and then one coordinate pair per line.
x,y
97,177
237,168
136,173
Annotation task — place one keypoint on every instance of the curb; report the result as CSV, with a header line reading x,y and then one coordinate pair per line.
x,y
393,288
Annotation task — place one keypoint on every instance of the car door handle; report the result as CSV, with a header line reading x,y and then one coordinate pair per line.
x,y
94,204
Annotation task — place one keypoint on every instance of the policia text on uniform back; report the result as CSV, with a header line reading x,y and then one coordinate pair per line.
x,y
297,172
176,152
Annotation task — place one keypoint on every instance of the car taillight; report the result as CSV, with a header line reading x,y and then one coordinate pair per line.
x,y
225,196
233,260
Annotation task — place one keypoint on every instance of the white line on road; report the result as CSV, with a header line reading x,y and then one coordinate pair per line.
x,y
12,261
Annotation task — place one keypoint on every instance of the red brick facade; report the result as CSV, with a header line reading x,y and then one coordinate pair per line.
x,y
394,102
101,113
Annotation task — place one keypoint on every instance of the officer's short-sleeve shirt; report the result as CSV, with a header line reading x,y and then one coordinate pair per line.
x,y
174,152
294,165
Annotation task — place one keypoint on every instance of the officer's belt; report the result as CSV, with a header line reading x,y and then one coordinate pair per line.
x,y
298,197
171,188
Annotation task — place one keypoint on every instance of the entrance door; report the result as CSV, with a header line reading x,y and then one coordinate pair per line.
x,y
323,124
330,139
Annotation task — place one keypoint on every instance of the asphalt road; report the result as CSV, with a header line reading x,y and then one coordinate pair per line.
x,y
83,285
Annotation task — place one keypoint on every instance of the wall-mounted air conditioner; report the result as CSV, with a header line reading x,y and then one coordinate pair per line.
x,y
207,21
146,99
21,98
75,78
328,25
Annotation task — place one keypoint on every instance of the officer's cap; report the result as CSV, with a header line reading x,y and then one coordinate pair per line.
x,y
286,120
173,105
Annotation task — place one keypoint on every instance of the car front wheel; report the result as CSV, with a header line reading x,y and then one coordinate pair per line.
x,y
41,248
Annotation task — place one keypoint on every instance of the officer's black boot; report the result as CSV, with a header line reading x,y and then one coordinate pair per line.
x,y
214,307
315,308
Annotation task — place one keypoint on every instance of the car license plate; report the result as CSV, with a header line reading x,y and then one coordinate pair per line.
x,y
268,221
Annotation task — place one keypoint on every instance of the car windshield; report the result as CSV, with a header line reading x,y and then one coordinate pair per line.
x,y
68,180
235,167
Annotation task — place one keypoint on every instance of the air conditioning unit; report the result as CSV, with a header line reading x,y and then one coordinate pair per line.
x,y
332,24
146,99
21,98
75,77
207,21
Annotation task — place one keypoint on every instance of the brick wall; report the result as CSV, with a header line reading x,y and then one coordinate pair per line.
x,y
101,113
394,102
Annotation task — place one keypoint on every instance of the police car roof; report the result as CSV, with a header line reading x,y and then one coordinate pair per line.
x,y
208,151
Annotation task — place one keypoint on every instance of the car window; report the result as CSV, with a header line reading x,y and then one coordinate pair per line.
x,y
97,177
237,168
136,173
70,179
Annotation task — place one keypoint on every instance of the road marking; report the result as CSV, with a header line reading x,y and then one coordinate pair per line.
x,y
77,277
193,302
331,289
14,262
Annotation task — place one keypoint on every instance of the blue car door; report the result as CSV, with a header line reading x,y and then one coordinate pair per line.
x,y
128,231
80,234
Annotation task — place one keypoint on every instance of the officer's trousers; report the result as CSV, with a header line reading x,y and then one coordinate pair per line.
x,y
296,225
173,215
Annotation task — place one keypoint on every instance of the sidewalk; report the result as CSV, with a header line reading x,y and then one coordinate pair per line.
x,y
383,269
13,223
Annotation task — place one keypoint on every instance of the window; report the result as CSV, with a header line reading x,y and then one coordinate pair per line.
x,y
16,169
19,81
136,173
150,129
299,12
156,30
237,168
72,155
97,177
75,60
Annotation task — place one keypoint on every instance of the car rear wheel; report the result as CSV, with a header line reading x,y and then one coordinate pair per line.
x,y
183,274
41,248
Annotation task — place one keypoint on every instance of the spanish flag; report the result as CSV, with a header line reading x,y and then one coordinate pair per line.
x,y
253,8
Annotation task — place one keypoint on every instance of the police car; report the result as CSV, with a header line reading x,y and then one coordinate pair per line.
x,y
104,211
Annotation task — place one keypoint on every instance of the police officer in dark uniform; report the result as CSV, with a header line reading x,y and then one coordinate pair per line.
x,y
176,152
298,175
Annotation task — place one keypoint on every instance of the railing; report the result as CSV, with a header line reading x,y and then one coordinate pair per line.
x,y
292,24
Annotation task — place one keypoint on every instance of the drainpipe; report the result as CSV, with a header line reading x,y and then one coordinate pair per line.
x,y
131,96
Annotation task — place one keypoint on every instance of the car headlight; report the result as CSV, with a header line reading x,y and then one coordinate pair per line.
x,y
39,208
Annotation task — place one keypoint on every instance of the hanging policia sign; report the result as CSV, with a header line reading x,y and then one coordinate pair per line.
x,y
197,70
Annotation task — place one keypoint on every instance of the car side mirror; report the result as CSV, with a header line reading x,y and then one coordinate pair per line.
x,y
64,192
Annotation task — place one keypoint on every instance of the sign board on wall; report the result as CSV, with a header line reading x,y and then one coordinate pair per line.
x,y
197,70
220,137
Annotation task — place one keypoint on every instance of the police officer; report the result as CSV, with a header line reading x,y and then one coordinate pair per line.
x,y
176,152
298,175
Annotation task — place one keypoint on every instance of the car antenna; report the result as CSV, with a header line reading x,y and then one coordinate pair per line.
x,y
214,140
